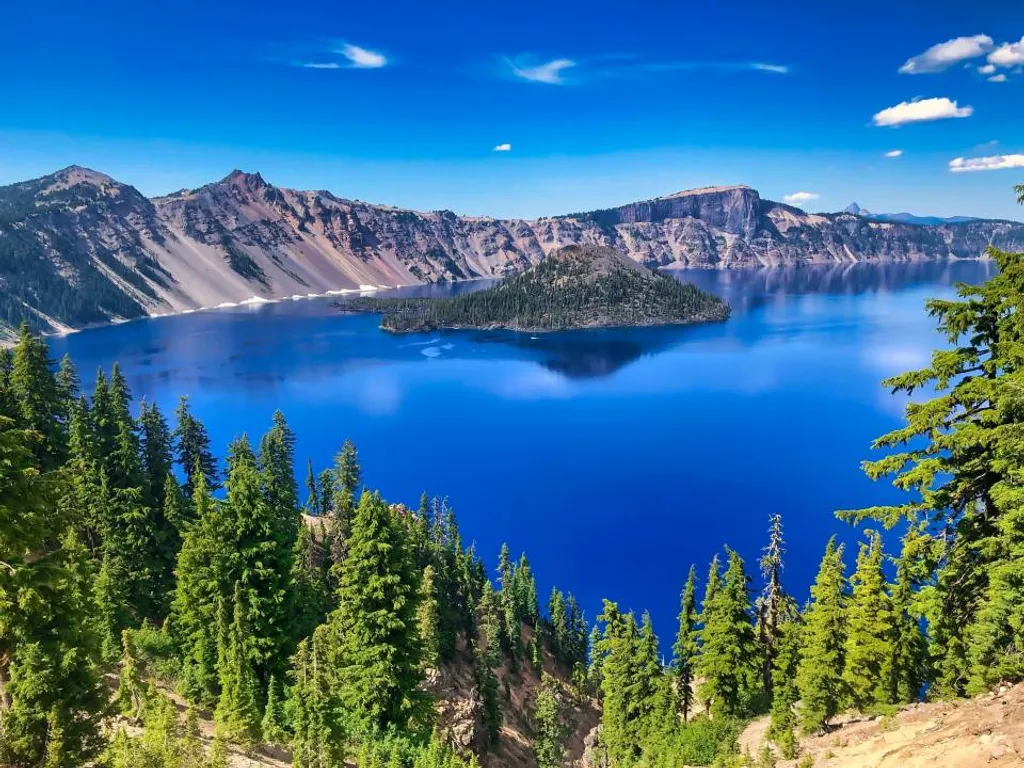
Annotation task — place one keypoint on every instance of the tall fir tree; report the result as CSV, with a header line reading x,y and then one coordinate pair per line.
x,y
909,662
376,646
823,651
686,647
728,662
774,606
37,399
867,672
192,450
238,714
320,738
785,692
549,730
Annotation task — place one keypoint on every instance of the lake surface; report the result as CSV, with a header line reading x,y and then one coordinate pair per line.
x,y
615,459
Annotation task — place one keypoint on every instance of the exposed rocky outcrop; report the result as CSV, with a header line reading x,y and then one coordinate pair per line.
x,y
79,248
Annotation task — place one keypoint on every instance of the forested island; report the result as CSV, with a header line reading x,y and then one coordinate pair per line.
x,y
572,287
160,608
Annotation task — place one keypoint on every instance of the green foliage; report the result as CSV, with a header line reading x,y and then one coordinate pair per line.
x,y
192,450
238,715
823,652
728,662
575,287
130,693
686,647
375,640
549,730
320,736
785,691
868,672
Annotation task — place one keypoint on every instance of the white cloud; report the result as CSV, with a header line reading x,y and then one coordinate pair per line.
x,y
991,163
800,198
779,69
997,78
1008,54
550,72
987,69
921,110
944,55
319,64
362,58
503,148
894,153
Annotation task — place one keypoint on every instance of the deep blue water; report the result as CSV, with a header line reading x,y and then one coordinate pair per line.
x,y
613,458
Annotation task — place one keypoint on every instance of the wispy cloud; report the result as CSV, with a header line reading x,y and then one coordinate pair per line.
x,y
894,153
548,72
1008,55
503,148
1000,78
558,71
919,111
987,69
944,55
362,58
991,163
800,198
318,64
778,69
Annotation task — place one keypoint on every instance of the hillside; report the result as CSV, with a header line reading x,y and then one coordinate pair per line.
x,y
572,287
79,248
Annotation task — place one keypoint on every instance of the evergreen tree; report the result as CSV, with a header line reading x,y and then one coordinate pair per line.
x,y
237,714
576,650
376,646
319,736
867,673
273,727
309,583
549,731
488,658
130,693
621,713
785,692
37,399
558,619
774,606
909,662
686,648
427,619
822,655
728,658
192,450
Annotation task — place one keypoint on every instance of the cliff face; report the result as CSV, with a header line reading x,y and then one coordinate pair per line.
x,y
79,248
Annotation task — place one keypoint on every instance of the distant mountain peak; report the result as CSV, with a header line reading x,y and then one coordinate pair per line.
x,y
79,174
709,191
243,178
854,209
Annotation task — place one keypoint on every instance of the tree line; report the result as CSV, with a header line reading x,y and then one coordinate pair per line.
x,y
128,549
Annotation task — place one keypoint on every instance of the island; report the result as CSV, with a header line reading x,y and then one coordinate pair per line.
x,y
575,287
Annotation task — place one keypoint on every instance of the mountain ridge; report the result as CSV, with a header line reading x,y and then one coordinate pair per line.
x,y
79,248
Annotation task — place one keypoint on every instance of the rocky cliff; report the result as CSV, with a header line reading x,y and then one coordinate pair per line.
x,y
79,248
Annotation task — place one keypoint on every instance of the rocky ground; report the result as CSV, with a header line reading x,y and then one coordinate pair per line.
x,y
986,731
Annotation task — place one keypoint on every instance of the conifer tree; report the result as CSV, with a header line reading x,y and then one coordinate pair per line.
x,y
319,736
909,663
130,693
37,399
309,583
238,713
867,673
376,647
192,450
822,655
774,606
488,658
548,729
620,724
558,619
427,619
728,658
785,693
576,650
273,726
686,648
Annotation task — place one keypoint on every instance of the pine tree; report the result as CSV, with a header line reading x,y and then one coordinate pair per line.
x,y
192,450
319,734
130,692
909,662
774,606
822,655
376,646
576,650
549,731
728,658
488,658
37,398
620,716
558,619
309,583
785,692
237,714
273,726
686,648
427,619
869,641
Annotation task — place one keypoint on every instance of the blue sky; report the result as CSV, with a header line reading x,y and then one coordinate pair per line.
x,y
601,103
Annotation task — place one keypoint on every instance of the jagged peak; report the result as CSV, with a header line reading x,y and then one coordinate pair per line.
x,y
79,174
252,180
